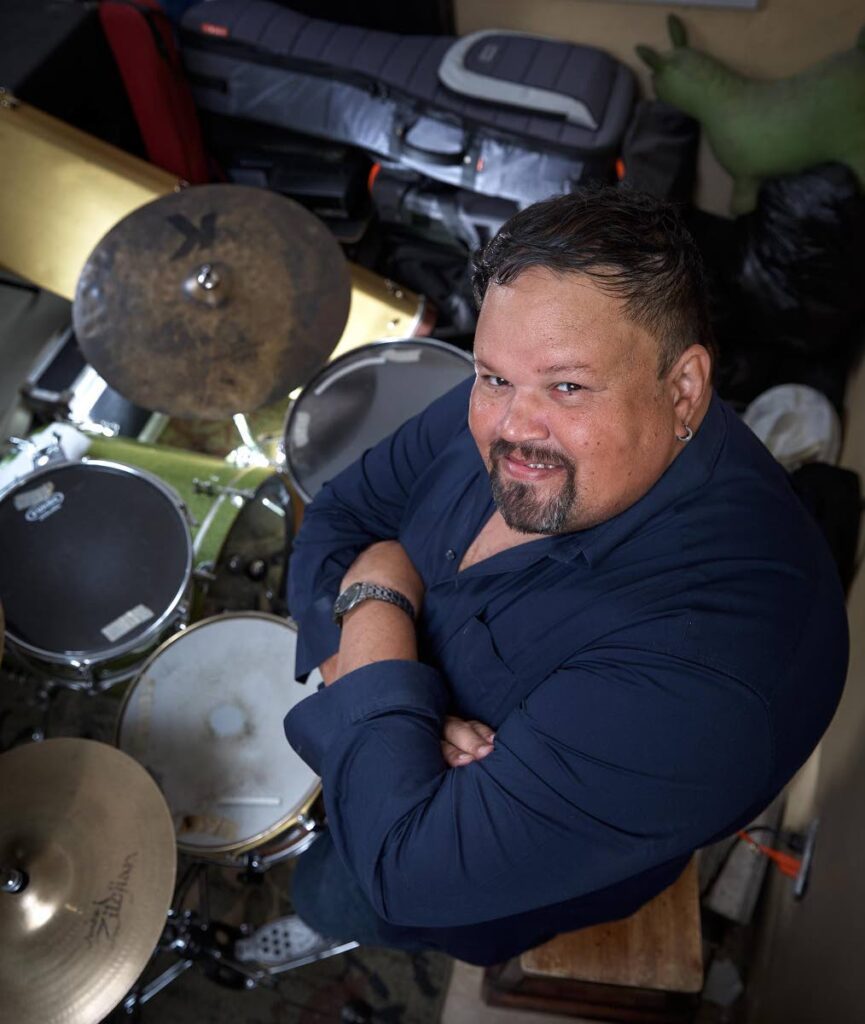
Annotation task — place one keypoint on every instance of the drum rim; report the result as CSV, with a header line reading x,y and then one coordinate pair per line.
x,y
424,342
248,843
87,659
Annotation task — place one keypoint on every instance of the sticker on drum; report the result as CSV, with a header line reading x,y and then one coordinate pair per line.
x,y
362,397
205,718
95,562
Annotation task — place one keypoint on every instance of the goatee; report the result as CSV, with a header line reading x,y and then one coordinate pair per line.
x,y
519,504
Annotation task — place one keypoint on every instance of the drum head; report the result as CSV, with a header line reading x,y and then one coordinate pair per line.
x,y
250,572
205,718
93,556
358,400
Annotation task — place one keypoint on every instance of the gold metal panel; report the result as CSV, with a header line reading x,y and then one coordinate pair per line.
x,y
61,191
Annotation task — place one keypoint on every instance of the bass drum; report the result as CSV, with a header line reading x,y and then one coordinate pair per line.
x,y
205,718
362,397
95,569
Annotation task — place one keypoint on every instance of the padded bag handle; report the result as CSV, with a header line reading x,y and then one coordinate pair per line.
x,y
403,128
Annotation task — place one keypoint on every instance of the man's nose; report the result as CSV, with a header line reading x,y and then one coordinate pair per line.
x,y
524,419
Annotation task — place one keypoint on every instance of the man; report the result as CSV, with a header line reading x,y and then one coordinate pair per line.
x,y
596,628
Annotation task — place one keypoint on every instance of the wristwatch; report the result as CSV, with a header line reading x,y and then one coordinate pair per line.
x,y
355,593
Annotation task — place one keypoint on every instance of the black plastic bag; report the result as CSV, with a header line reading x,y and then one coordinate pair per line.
x,y
802,258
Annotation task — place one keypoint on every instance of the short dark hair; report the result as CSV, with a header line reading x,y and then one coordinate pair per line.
x,y
636,246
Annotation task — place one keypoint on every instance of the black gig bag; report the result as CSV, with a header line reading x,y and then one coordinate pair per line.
x,y
499,113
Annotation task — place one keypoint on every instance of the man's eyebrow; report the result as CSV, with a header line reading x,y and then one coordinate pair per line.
x,y
566,367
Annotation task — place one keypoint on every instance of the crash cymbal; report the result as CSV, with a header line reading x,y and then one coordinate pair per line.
x,y
214,300
93,837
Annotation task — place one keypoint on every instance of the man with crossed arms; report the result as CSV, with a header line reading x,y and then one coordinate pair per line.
x,y
583,624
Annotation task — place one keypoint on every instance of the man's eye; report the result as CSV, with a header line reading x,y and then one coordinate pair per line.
x,y
567,387
493,381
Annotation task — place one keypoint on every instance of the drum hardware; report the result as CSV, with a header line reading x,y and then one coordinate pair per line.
x,y
52,452
12,880
212,488
250,453
61,402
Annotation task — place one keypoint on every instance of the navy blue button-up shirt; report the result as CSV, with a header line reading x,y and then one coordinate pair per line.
x,y
653,682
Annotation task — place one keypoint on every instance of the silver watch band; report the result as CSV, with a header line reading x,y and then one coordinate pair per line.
x,y
357,593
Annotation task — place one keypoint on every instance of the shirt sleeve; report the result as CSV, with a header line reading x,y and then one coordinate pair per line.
x,y
619,761
363,504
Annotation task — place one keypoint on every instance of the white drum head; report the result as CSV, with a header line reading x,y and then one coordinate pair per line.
x,y
205,718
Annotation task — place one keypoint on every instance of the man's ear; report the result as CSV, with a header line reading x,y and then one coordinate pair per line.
x,y
690,381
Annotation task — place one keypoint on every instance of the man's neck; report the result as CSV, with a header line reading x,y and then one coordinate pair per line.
x,y
495,536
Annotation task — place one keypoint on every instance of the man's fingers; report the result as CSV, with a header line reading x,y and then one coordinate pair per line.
x,y
473,738
455,757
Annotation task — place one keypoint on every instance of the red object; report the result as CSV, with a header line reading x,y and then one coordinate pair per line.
x,y
787,863
142,40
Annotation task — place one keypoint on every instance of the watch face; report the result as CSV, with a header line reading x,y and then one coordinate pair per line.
x,y
346,599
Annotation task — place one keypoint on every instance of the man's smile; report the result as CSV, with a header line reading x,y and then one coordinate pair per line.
x,y
526,472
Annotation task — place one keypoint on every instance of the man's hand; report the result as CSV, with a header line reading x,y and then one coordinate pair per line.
x,y
464,742
387,564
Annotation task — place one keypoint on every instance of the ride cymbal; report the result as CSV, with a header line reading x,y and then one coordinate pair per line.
x,y
214,300
89,833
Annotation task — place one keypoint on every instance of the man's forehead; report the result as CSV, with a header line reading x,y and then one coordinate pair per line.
x,y
541,364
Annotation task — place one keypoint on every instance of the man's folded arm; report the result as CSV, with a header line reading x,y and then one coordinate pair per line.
x,y
610,766
363,504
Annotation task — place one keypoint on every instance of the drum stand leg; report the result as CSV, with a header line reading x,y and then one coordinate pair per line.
x,y
41,704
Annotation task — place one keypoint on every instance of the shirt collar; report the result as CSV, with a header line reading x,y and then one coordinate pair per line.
x,y
688,471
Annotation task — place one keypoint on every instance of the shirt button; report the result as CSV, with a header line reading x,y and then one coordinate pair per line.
x,y
450,554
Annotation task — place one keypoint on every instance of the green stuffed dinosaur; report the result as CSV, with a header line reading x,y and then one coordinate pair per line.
x,y
760,129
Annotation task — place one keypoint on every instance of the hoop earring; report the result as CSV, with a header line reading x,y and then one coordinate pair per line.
x,y
686,437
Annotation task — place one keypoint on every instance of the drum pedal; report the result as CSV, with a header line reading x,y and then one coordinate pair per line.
x,y
286,943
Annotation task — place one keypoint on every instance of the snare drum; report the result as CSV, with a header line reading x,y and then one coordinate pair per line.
x,y
205,718
362,397
95,566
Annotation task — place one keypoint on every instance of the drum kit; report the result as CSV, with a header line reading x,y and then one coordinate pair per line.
x,y
165,570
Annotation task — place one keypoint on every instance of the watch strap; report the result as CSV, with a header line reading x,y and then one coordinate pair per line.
x,y
357,593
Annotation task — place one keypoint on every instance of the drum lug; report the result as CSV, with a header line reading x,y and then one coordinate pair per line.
x,y
52,452
214,489
307,823
204,573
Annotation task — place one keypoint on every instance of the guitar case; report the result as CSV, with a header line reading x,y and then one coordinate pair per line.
x,y
499,113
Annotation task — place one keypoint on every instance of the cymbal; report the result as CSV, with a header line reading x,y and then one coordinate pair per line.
x,y
211,301
93,834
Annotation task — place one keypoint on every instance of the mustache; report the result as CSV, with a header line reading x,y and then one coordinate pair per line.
x,y
500,448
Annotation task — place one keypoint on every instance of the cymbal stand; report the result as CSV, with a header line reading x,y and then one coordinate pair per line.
x,y
196,939
250,453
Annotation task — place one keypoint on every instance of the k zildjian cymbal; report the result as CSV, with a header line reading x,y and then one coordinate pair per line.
x,y
214,300
94,837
